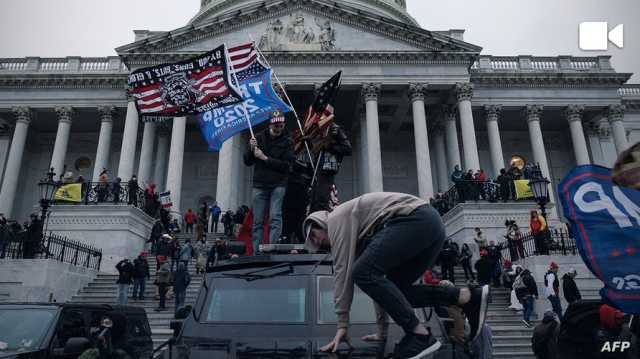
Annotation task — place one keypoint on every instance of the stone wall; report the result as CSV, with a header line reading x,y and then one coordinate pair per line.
x,y
41,280
119,231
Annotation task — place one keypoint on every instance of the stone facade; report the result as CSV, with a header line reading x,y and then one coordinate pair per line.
x,y
414,103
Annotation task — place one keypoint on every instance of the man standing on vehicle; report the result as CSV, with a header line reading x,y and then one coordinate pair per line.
x,y
378,242
271,152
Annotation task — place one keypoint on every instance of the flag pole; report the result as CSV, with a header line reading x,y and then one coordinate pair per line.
x,y
235,77
284,91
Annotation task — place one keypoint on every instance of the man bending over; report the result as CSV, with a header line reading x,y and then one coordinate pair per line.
x,y
384,242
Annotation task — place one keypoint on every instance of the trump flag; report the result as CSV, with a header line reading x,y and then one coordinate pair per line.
x,y
605,220
260,100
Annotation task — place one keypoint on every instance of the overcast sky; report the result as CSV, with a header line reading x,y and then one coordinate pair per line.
x,y
57,28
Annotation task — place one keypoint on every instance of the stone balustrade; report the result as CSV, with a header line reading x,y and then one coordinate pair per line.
x,y
111,64
630,91
487,63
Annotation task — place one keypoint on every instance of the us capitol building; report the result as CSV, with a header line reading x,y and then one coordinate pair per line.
x,y
414,102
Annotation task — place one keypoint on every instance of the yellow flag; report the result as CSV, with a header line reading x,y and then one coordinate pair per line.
x,y
523,190
69,193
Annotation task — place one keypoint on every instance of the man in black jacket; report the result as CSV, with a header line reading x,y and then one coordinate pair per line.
x,y
271,152
332,149
569,287
125,276
140,275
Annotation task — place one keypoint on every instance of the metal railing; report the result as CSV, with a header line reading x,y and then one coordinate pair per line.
x,y
28,245
473,191
550,242
108,192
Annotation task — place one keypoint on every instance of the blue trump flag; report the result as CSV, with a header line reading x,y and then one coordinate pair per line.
x,y
260,100
605,220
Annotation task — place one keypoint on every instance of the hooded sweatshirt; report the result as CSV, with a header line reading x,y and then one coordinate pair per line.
x,y
347,226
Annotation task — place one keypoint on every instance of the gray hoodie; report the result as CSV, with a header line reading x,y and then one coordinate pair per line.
x,y
347,225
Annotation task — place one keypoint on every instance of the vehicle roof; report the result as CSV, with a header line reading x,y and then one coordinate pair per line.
x,y
322,259
22,305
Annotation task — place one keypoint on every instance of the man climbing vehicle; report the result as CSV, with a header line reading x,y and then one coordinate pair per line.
x,y
384,242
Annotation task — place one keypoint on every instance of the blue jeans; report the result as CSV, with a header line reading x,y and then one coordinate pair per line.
x,y
528,308
180,296
556,305
123,292
395,258
139,285
270,198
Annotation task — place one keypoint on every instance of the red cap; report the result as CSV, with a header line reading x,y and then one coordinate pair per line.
x,y
162,259
553,265
484,253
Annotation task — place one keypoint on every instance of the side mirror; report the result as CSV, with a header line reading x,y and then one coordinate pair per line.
x,y
176,326
183,312
76,345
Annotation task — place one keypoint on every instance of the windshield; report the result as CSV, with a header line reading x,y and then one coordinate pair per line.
x,y
23,329
362,311
271,300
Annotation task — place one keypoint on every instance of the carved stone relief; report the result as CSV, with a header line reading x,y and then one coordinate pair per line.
x,y
297,35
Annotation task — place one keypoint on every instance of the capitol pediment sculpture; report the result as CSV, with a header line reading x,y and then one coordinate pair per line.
x,y
298,36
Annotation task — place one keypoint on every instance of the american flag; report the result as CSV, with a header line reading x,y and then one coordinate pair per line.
x,y
320,116
245,61
188,87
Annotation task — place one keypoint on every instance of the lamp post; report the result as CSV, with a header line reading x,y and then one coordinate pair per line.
x,y
48,187
540,188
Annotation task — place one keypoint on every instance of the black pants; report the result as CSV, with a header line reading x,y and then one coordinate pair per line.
x,y
214,225
468,272
162,292
321,194
189,228
395,258
447,272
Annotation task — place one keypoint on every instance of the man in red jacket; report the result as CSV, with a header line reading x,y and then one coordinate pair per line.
x,y
189,219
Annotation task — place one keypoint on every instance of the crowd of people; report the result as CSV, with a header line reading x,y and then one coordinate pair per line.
x,y
473,185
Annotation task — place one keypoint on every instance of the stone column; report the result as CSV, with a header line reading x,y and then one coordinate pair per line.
x,y
374,157
104,140
129,139
495,144
595,146
5,142
423,157
146,153
176,158
453,148
14,162
229,183
616,117
464,92
364,170
160,168
573,113
65,113
533,114
607,145
441,159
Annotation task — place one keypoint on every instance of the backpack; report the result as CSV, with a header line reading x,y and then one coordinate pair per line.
x,y
578,330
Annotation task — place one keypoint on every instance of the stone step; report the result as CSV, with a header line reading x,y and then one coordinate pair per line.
x,y
514,355
147,303
513,348
515,322
511,330
111,290
511,339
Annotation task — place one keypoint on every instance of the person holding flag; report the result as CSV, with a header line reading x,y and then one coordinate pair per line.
x,y
271,152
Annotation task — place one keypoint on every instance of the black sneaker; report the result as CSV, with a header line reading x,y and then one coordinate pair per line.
x,y
415,346
476,310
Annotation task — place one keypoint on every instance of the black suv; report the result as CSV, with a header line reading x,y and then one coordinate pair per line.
x,y
278,306
63,331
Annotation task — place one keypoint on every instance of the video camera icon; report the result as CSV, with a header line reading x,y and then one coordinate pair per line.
x,y
595,36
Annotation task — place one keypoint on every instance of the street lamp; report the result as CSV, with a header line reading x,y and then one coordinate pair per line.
x,y
48,187
540,188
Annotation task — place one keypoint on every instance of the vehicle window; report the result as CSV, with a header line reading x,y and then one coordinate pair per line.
x,y
71,325
362,310
23,329
272,300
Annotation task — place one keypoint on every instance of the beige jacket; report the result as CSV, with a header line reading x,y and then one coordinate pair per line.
x,y
347,225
